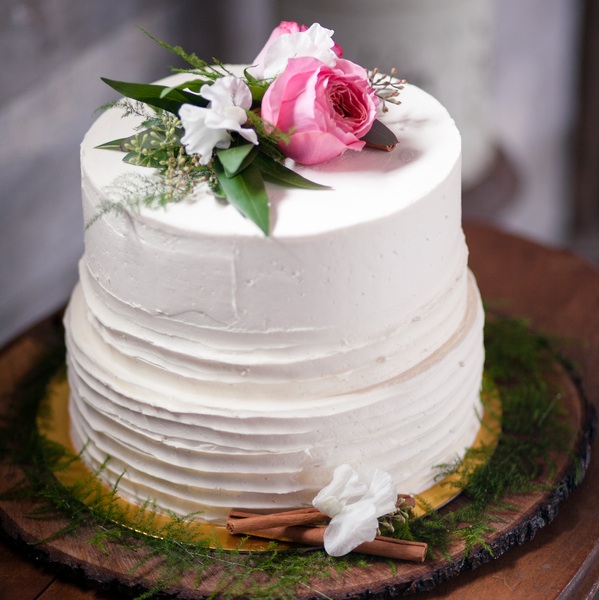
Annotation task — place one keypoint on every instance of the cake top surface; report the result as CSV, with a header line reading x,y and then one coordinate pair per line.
x,y
364,185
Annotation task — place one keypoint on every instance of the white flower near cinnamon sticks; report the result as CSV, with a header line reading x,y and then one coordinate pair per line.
x,y
354,508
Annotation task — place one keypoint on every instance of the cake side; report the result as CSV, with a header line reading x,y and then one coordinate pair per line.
x,y
318,307
190,456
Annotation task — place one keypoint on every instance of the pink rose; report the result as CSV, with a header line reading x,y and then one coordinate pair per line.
x,y
325,110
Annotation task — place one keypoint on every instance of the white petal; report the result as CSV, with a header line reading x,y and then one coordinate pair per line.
x,y
354,525
343,487
249,134
381,493
227,91
231,117
199,138
316,42
320,36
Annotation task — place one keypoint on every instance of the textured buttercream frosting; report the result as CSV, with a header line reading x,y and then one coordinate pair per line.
x,y
220,368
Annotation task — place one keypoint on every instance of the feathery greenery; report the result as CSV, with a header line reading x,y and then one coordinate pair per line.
x,y
518,364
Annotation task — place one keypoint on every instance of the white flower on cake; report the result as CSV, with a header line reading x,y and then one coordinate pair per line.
x,y
208,128
354,508
291,40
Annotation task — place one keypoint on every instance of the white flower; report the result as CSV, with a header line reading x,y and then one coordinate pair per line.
x,y
381,493
355,524
208,128
354,508
343,487
316,42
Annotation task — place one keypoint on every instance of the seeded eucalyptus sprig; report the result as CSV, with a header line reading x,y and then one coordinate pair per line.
x,y
402,514
386,87
157,145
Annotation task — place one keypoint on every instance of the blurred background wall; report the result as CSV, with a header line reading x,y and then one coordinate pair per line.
x,y
508,70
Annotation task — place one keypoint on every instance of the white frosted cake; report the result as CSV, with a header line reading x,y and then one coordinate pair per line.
x,y
220,368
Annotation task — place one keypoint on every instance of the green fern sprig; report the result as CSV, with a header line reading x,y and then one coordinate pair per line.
x,y
200,67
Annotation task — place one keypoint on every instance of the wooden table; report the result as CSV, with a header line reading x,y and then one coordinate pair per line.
x,y
560,294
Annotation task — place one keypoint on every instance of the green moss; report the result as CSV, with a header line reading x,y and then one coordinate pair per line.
x,y
518,362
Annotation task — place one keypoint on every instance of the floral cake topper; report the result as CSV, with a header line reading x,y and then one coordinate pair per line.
x,y
300,99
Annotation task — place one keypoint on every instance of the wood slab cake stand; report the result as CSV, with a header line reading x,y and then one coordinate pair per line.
x,y
559,293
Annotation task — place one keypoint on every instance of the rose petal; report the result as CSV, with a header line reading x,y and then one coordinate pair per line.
x,y
313,148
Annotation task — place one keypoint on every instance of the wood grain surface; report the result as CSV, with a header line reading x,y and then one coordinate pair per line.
x,y
560,295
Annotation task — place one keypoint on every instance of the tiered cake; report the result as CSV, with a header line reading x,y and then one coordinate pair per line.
x,y
218,367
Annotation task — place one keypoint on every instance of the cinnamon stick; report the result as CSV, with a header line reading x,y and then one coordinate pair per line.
x,y
407,500
250,522
244,513
314,536
292,526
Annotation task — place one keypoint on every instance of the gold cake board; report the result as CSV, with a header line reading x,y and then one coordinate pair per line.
x,y
53,423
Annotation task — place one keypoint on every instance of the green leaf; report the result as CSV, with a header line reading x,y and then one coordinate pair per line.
x,y
193,85
158,96
150,139
380,136
154,159
131,158
257,87
257,92
277,172
116,144
237,158
250,78
153,122
247,193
